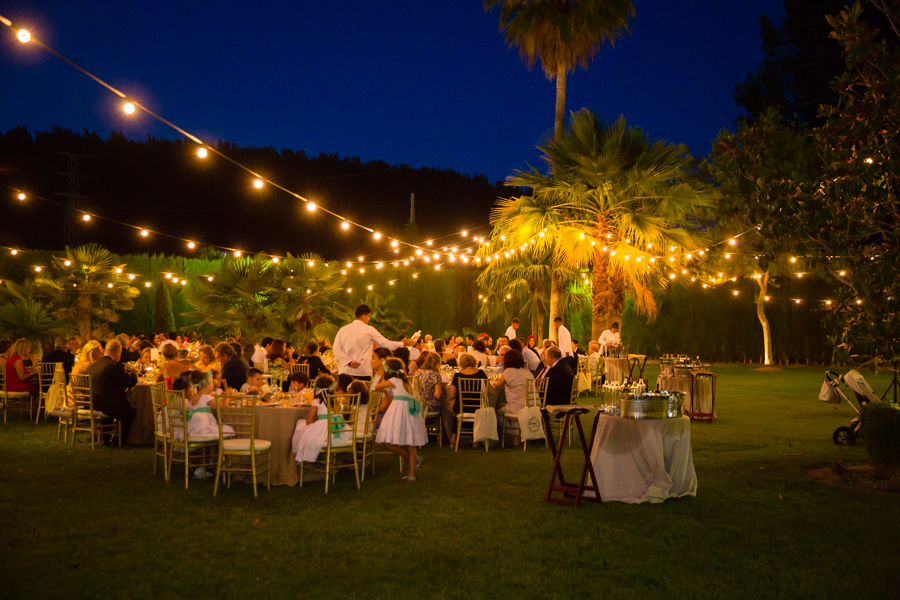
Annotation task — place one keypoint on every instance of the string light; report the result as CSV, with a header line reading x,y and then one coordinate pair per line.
x,y
147,284
310,206
24,36
345,225
258,183
237,253
275,259
21,195
144,233
128,107
85,217
191,245
376,235
118,269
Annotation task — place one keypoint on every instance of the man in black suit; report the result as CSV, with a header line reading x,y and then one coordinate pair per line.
x,y
559,388
110,382
61,355
234,370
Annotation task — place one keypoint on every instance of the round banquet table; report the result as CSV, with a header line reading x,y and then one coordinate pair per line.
x,y
702,385
617,369
276,424
645,460
141,431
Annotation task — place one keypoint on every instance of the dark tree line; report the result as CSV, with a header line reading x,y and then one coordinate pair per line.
x,y
162,185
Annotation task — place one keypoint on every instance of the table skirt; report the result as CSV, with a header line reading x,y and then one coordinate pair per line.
x,y
644,460
702,387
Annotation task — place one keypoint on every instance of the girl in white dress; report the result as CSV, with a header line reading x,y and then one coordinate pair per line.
x,y
201,423
402,429
310,434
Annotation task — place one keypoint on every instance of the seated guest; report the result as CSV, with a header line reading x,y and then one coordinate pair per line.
x,y
416,349
403,354
479,351
90,353
279,361
453,359
544,346
234,370
146,362
379,355
19,377
260,353
502,350
559,388
5,352
578,351
207,361
312,359
128,355
171,367
246,354
432,394
61,355
532,360
468,368
110,381
298,382
513,380
594,358
255,382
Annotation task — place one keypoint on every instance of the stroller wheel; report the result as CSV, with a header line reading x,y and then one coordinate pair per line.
x,y
844,436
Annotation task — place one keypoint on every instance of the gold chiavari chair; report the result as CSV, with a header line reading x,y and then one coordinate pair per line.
x,y
47,380
162,437
535,390
20,401
298,368
85,418
193,452
240,454
343,410
365,446
472,395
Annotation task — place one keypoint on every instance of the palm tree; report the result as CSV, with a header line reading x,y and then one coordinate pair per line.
x,y
622,205
89,286
562,35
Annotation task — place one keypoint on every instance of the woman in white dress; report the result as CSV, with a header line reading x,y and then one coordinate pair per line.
x,y
402,429
513,380
311,435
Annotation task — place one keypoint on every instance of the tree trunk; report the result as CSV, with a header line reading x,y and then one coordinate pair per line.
x,y
83,318
559,127
608,289
761,314
556,289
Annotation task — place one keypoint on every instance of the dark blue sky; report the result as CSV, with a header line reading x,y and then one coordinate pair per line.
x,y
425,83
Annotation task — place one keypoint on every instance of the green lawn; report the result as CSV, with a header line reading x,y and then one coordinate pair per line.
x,y
77,523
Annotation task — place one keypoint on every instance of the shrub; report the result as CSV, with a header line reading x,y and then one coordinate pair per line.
x,y
881,427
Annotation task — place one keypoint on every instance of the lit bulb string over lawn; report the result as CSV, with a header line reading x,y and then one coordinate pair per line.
x,y
131,105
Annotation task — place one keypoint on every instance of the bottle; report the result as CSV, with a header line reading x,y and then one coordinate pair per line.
x,y
416,336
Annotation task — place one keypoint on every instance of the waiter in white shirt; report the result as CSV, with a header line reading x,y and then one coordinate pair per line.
x,y
511,330
353,345
610,337
564,340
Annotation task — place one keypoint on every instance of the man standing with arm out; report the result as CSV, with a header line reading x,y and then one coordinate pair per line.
x,y
353,345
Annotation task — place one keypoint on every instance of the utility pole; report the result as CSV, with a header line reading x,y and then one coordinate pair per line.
x,y
73,196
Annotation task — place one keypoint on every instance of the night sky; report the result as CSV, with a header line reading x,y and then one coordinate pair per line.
x,y
424,83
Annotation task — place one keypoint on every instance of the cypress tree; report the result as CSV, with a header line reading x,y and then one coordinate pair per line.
x,y
164,321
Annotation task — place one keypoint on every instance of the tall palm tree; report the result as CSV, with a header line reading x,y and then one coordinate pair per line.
x,y
628,202
562,35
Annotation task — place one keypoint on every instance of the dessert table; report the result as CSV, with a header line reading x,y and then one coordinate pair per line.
x,y
643,460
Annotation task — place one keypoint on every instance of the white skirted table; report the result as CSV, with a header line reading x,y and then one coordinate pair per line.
x,y
617,369
701,401
645,460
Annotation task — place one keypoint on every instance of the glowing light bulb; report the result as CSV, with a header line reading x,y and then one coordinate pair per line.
x,y
437,267
24,35
727,256
376,235
672,276
369,288
128,107
828,302
705,286
419,252
859,301
541,234
258,183
343,271
21,196
391,282
310,206
191,245
349,264
237,253
147,284
362,271
274,259
797,301
379,265
209,278
144,233
394,243
131,277
464,233
345,225
793,259
359,258
168,276
310,263
415,275
109,285
868,160
202,153
85,217
842,273
429,242
349,290
68,263
118,271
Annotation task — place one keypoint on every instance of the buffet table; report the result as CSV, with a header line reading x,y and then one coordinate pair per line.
x,y
646,460
703,387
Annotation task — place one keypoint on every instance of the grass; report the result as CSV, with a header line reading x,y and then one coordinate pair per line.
x,y
85,524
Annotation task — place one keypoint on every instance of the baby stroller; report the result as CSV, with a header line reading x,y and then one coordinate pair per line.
x,y
831,392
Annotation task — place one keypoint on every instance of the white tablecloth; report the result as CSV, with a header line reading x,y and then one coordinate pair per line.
x,y
617,369
644,460
702,386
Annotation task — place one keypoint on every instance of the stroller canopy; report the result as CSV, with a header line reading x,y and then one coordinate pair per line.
x,y
856,382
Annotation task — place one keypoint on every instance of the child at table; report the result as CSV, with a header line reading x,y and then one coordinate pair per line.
x,y
402,429
254,382
199,403
310,435
298,381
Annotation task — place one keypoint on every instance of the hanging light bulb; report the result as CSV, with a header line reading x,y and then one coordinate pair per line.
x,y
376,235
147,284
274,259
428,242
128,107
118,270
144,233
191,245
419,252
310,263
201,152
258,183
394,243
109,285
464,233
345,225
21,195
68,263
209,278
24,35
237,253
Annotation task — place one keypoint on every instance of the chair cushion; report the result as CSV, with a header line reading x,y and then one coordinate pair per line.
x,y
83,412
243,445
204,439
62,412
338,444
16,394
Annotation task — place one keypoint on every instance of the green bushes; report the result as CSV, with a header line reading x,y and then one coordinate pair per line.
x,y
881,428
